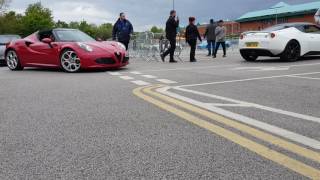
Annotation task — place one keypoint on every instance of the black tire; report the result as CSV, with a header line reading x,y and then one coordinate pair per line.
x,y
13,61
292,51
249,57
69,61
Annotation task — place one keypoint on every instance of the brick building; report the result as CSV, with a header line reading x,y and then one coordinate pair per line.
x,y
279,13
233,28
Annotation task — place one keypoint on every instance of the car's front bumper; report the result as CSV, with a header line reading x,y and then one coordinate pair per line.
x,y
104,62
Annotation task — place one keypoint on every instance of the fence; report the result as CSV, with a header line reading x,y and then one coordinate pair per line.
x,y
148,46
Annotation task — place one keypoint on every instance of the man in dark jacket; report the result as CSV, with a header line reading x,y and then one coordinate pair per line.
x,y
211,37
192,35
122,30
171,34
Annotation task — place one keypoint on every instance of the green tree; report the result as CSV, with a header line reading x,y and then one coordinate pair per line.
x,y
37,18
10,23
104,31
74,25
61,24
155,29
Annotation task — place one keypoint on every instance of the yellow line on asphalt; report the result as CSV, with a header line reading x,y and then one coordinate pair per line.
x,y
307,153
259,149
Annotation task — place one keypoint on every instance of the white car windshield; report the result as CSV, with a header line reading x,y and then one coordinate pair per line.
x,y
73,36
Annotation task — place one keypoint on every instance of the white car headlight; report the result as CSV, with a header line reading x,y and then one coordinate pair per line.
x,y
122,46
85,47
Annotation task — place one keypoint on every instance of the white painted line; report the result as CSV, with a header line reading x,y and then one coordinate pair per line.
x,y
115,73
258,106
249,79
228,105
136,72
149,76
250,121
192,68
300,65
166,81
303,77
140,83
126,77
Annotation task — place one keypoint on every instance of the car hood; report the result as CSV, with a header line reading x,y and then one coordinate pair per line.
x,y
104,46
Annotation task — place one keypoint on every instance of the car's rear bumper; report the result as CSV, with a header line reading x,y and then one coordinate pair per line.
x,y
258,52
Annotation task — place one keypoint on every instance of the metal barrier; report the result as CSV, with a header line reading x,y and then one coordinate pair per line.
x,y
148,46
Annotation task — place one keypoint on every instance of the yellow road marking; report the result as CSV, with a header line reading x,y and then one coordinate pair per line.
x,y
312,155
259,149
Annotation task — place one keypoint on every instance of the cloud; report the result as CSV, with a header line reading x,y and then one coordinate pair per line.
x,y
146,13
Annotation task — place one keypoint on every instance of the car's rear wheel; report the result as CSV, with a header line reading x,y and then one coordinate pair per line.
x,y
70,62
249,56
13,61
292,51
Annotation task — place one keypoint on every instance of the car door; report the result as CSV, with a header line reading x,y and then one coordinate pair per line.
x,y
41,53
313,32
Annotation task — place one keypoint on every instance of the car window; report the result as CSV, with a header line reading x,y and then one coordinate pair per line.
x,y
7,39
275,28
73,36
312,29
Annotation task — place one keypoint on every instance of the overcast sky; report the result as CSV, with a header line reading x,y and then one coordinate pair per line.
x,y
145,13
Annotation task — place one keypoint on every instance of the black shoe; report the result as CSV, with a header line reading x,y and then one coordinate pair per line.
x,y
193,60
224,56
209,55
214,56
162,57
173,61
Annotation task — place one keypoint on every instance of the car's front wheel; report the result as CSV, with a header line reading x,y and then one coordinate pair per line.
x,y
13,61
70,62
249,57
292,51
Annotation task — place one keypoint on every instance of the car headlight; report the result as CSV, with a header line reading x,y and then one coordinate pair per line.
x,y
122,46
85,47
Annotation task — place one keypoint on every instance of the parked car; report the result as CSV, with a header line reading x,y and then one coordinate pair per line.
x,y
4,40
68,49
288,41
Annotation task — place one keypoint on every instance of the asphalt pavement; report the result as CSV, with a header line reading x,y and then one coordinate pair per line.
x,y
220,118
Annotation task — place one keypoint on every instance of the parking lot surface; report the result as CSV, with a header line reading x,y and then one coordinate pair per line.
x,y
218,118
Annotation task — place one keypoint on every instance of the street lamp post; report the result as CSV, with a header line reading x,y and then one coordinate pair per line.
x,y
173,4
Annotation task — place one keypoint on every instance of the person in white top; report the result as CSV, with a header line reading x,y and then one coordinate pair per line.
x,y
317,17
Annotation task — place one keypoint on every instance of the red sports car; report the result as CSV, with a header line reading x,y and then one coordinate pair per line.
x,y
69,49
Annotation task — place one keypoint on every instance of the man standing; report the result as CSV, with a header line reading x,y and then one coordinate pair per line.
x,y
317,17
122,30
210,34
171,34
220,38
192,35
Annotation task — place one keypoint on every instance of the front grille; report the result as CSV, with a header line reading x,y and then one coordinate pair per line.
x,y
118,56
105,61
125,60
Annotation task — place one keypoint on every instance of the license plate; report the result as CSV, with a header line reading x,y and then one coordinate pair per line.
x,y
252,44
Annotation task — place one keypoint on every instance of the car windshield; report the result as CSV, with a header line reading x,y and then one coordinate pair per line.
x,y
7,39
73,36
275,28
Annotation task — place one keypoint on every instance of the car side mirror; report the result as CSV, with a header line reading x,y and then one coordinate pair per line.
x,y
46,40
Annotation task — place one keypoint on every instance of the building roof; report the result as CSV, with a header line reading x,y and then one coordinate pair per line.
x,y
282,9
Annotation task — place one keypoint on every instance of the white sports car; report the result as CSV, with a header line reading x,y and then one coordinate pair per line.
x,y
288,41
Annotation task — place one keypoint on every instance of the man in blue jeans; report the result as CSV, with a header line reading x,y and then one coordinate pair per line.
x,y
210,34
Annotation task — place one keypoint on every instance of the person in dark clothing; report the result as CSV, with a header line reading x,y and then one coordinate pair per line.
x,y
192,35
122,30
210,34
171,34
